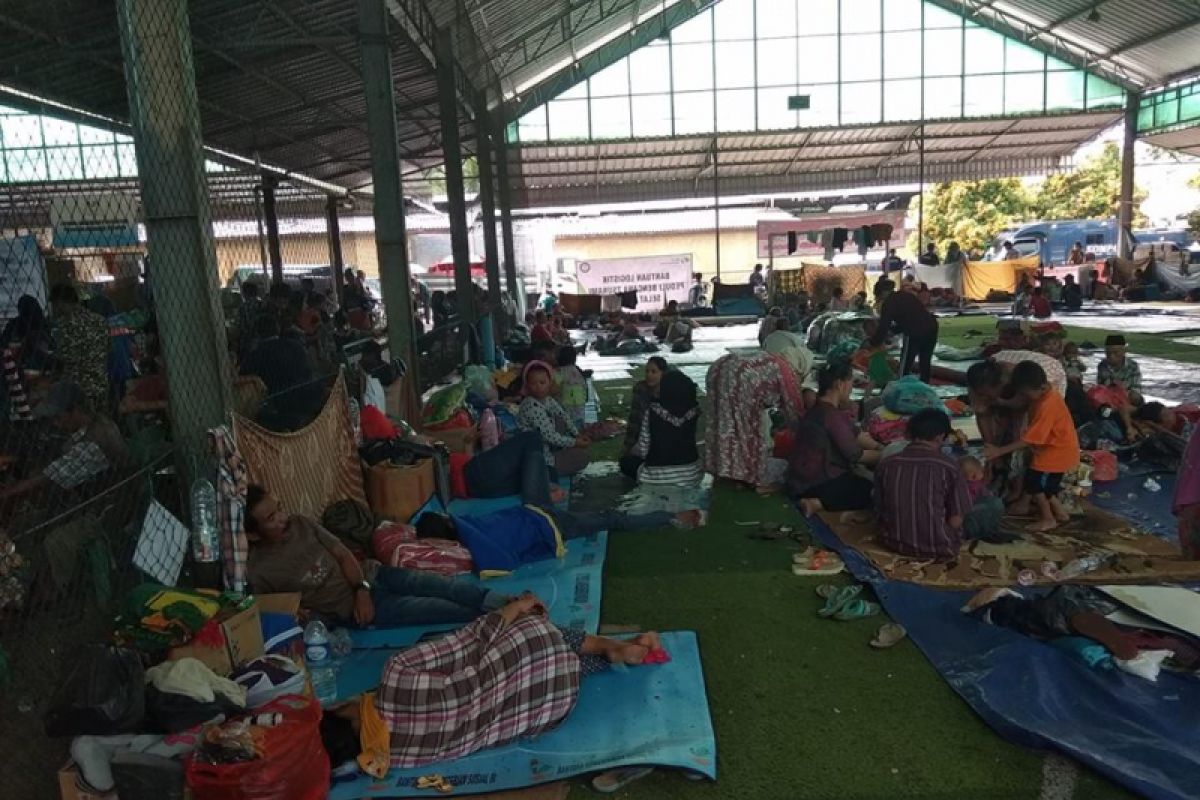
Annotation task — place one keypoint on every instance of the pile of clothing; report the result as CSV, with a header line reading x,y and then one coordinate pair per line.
x,y
831,328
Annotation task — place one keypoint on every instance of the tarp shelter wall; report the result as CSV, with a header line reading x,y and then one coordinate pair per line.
x,y
943,276
580,305
983,277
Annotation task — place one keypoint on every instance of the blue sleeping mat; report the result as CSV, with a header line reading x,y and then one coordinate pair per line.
x,y
570,587
656,715
1145,736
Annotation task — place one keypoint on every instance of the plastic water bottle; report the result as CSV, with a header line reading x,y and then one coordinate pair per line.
x,y
319,661
489,429
356,422
1080,566
206,546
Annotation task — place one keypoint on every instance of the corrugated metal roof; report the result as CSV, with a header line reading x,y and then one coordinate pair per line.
x,y
1138,43
556,174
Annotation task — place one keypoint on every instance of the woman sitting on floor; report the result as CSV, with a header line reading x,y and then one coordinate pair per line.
x,y
742,390
506,676
829,446
667,435
564,448
644,393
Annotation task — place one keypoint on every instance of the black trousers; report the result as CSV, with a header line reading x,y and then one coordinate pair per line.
x,y
919,346
846,492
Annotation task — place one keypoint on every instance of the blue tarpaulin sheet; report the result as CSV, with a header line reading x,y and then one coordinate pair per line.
x,y
569,586
654,715
1145,736
1149,510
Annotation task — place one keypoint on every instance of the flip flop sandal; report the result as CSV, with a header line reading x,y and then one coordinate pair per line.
x,y
827,590
834,603
888,635
614,780
857,609
822,562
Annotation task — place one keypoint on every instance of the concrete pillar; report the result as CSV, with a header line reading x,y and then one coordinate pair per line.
x,y
460,246
516,289
487,198
164,113
1125,204
271,217
333,228
391,243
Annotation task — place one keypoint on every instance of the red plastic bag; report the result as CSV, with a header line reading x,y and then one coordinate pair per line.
x,y
294,765
458,474
1104,464
785,441
1113,396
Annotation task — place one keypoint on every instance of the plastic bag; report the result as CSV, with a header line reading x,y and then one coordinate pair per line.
x,y
293,763
103,694
908,395
443,403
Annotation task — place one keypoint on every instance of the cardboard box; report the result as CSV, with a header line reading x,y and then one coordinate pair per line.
x,y
278,603
242,641
70,787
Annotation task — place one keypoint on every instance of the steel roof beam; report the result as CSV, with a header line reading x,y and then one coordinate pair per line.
x,y
602,57
1017,27
1151,38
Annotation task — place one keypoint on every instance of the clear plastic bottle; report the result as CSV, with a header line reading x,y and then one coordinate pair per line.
x,y
489,429
319,660
339,643
206,546
1083,565
356,421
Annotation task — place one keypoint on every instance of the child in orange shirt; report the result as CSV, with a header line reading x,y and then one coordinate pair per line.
x,y
1051,435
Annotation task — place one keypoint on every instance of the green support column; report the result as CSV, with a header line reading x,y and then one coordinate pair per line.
x,y
164,113
487,207
391,242
271,217
1125,200
334,231
504,193
460,246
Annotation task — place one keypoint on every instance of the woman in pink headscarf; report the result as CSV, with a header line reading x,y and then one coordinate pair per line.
x,y
566,450
1187,500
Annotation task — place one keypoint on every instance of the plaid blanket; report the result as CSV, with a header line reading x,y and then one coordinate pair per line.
x,y
485,685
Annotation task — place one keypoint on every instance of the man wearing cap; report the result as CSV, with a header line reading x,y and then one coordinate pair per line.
x,y
93,450
1118,370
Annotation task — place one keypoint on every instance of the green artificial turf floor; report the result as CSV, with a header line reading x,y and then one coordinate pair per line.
x,y
803,707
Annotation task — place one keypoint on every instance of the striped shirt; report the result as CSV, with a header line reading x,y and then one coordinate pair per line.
x,y
916,491
483,686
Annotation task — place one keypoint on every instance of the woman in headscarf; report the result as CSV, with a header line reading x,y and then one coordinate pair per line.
x,y
29,333
564,447
741,390
644,393
667,435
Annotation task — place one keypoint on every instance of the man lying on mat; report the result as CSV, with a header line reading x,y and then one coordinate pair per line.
x,y
293,553
506,539
505,676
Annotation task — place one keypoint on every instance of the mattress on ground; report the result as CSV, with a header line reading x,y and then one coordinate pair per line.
x,y
1145,736
569,586
654,715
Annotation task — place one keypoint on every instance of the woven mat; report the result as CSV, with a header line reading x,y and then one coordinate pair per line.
x,y
1141,558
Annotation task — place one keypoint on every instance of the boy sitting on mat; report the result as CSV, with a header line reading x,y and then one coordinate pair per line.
x,y
292,553
504,540
921,494
1052,438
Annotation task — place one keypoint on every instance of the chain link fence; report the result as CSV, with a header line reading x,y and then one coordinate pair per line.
x,y
128,328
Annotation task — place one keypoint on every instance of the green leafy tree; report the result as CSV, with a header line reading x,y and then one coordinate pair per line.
x,y
1091,191
971,213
